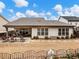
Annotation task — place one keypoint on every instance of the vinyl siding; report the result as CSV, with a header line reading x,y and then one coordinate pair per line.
x,y
52,32
63,20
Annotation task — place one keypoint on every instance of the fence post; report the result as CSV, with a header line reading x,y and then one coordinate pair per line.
x,y
50,54
10,56
23,55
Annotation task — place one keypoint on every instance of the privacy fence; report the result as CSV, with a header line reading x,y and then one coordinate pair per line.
x,y
31,54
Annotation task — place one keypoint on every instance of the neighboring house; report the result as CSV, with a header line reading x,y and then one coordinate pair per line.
x,y
73,20
3,21
40,27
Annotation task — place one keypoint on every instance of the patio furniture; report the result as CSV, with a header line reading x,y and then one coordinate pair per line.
x,y
5,39
22,39
11,39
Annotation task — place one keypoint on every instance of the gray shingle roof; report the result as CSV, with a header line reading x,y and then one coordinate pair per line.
x,y
35,22
71,18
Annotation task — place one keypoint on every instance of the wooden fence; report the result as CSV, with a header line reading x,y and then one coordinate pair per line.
x,y
43,54
25,55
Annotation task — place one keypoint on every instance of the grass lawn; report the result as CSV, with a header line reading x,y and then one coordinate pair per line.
x,y
38,45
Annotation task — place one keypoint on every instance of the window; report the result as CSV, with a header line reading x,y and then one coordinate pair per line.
x,y
59,32
24,32
63,31
38,31
43,31
67,31
46,31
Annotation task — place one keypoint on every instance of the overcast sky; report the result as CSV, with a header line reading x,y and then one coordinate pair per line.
x,y
48,9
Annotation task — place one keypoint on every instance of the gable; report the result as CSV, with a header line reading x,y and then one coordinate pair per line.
x,y
71,18
3,21
61,19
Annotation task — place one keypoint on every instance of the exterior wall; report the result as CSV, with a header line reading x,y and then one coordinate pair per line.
x,y
34,32
70,31
2,22
41,36
74,23
52,32
63,20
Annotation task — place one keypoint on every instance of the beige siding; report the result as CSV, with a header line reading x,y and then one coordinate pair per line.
x,y
52,32
34,32
74,23
2,22
63,20
70,31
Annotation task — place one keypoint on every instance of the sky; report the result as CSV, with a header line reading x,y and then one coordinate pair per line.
x,y
48,9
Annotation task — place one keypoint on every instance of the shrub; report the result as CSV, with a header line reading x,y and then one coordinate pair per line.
x,y
77,55
46,37
67,37
73,36
55,57
69,56
62,37
58,37
35,37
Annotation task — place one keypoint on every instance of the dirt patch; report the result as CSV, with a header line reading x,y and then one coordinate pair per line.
x,y
38,45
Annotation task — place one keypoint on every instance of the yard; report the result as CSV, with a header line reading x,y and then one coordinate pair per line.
x,y
8,47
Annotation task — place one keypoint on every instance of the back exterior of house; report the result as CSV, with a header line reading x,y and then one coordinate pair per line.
x,y
41,28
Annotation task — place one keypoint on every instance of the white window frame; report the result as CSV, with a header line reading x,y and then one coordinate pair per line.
x,y
42,31
65,32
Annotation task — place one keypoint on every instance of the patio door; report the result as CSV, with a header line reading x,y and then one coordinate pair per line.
x,y
25,32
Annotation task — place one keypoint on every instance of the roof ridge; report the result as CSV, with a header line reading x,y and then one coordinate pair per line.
x,y
70,18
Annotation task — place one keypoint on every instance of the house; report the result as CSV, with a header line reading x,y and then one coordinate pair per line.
x,y
33,27
73,20
3,21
